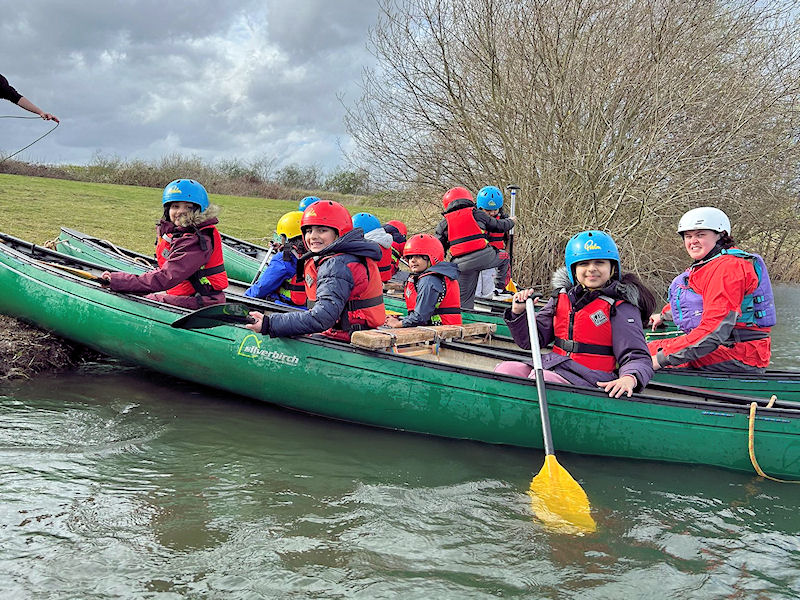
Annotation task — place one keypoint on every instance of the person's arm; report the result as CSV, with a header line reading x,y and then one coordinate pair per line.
x,y
429,289
441,234
277,271
335,283
186,257
724,285
630,345
496,225
23,102
517,320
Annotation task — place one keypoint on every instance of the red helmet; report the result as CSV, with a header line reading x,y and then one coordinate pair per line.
x,y
329,214
424,244
456,193
401,227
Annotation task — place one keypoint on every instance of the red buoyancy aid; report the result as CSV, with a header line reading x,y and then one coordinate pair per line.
x,y
585,335
386,265
293,291
210,274
464,233
363,310
497,238
448,307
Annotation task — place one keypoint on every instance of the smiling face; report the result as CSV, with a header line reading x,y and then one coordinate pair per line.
x,y
593,274
180,211
319,237
418,263
699,242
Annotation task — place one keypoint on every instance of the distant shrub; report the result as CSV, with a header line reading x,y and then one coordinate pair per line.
x,y
348,182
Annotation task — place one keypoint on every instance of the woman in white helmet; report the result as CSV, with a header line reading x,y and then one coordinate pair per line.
x,y
723,302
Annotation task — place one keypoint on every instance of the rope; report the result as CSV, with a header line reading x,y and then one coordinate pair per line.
x,y
32,143
137,259
751,443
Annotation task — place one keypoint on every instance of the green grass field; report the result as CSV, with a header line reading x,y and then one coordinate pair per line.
x,y
34,208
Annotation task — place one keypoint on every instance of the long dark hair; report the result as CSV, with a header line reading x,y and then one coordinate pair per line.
x,y
725,241
647,300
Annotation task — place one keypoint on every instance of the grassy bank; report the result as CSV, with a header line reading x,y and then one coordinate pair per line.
x,y
34,208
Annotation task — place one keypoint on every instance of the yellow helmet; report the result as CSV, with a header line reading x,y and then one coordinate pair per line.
x,y
289,224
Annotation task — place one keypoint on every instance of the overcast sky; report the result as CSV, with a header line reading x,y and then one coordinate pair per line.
x,y
141,79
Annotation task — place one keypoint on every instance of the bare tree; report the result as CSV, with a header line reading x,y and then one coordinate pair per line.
x,y
614,115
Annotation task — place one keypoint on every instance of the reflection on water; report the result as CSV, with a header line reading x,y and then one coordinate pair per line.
x,y
120,483
786,334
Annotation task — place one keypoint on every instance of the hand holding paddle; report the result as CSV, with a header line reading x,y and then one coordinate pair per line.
x,y
556,498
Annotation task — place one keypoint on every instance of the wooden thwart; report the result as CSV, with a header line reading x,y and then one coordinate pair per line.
x,y
386,338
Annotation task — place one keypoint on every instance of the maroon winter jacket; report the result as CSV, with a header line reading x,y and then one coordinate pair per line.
x,y
188,255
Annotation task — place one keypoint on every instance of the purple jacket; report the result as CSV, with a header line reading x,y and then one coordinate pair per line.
x,y
630,346
189,253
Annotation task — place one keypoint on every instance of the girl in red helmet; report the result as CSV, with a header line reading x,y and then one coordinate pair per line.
x,y
432,293
463,232
341,278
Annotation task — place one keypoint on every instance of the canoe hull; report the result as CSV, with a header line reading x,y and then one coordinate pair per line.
x,y
339,381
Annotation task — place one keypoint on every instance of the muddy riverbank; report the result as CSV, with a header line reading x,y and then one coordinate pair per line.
x,y
26,350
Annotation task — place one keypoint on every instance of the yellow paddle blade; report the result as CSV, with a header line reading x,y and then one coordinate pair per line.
x,y
394,313
511,287
559,501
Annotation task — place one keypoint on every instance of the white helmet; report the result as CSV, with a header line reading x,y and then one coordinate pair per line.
x,y
705,217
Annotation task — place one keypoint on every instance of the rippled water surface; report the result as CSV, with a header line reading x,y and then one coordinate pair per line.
x,y
119,483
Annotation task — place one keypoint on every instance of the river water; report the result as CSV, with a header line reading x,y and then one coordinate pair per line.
x,y
118,483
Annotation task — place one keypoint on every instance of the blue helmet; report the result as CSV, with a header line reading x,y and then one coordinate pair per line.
x,y
185,190
590,245
366,221
490,198
306,202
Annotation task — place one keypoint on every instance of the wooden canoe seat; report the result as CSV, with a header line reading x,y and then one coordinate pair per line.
x,y
406,336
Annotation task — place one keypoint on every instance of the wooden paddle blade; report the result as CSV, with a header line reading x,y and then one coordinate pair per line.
x,y
213,316
559,501
74,271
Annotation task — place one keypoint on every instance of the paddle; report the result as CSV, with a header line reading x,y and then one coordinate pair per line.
x,y
215,315
556,498
513,189
74,271
263,263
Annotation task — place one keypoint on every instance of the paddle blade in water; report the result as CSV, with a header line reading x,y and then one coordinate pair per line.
x,y
559,501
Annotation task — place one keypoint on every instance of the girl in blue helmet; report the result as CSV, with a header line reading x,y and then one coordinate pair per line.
x,y
190,272
594,321
493,281
374,232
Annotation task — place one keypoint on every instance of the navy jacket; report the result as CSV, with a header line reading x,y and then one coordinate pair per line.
x,y
335,283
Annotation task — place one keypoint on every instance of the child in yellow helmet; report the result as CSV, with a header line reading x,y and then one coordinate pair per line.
x,y
279,281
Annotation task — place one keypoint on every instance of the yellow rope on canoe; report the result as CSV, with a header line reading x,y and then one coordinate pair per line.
x,y
751,442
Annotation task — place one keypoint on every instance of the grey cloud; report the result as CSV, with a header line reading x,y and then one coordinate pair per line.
x,y
130,78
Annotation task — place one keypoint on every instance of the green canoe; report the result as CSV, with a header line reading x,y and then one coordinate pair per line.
x,y
104,252
784,384
445,391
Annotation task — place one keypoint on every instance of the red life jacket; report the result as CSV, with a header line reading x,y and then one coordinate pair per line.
x,y
362,311
497,238
212,274
386,265
448,306
585,335
463,232
293,291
